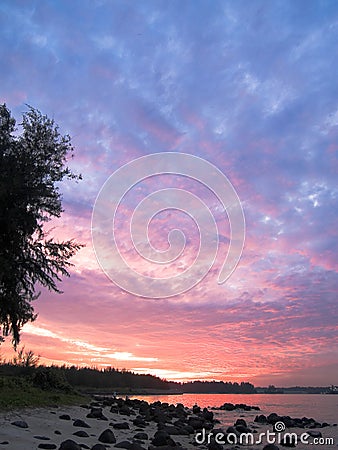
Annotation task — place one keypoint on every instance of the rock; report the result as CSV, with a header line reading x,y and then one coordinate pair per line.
x,y
172,430
242,429
95,413
47,446
137,446
42,438
314,434
196,409
139,422
4,443
57,432
228,407
80,423
241,422
273,418
213,445
64,417
107,437
98,447
20,424
325,424
124,444
81,433
121,426
196,422
141,436
69,445
261,419
162,438
208,415
125,410
288,441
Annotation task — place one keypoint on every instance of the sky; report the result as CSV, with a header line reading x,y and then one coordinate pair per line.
x,y
250,87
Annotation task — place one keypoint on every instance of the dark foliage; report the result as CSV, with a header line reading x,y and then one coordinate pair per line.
x,y
111,378
49,378
218,387
31,166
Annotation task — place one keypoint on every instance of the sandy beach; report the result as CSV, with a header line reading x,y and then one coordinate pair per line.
x,y
129,425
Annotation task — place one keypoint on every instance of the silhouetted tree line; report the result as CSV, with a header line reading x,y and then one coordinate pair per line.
x,y
110,378
26,363
217,387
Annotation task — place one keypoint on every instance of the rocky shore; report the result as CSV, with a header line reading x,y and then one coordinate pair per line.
x,y
138,425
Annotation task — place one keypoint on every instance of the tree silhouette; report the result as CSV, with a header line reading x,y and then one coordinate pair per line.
x,y
31,166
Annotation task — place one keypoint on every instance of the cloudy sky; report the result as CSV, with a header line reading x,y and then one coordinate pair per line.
x,y
251,87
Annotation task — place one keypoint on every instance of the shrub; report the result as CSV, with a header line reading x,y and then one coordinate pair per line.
x,y
51,378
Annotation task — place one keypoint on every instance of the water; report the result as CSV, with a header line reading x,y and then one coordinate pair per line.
x,y
323,408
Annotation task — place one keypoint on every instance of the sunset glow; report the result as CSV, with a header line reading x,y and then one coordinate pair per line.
x,y
250,87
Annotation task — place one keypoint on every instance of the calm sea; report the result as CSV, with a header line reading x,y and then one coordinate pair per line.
x,y
323,408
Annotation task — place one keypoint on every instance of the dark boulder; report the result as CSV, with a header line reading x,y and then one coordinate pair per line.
x,y
121,426
208,415
107,437
241,422
213,445
141,436
196,409
139,422
95,413
261,419
124,444
314,434
81,433
196,423
64,417
98,447
80,423
273,418
20,424
69,445
288,441
162,438
47,446
124,410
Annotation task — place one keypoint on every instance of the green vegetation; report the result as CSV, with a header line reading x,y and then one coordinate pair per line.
x,y
25,384
20,392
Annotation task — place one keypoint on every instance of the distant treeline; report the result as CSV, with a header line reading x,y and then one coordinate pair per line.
x,y
217,387
115,379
